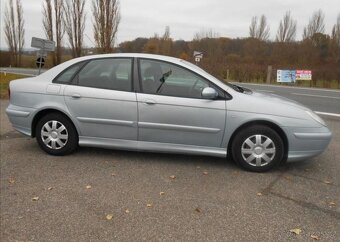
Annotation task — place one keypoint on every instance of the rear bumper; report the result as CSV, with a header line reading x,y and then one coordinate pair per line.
x,y
20,118
305,143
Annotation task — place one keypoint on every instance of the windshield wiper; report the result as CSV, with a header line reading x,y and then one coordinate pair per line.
x,y
163,78
238,88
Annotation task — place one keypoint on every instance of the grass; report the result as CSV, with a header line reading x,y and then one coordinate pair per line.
x,y
4,82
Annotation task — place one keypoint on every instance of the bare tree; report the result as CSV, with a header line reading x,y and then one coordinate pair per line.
x,y
287,29
206,34
336,31
74,22
259,29
106,19
53,12
316,25
14,29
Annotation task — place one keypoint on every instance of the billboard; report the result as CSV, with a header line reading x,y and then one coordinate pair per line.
x,y
303,75
289,76
286,76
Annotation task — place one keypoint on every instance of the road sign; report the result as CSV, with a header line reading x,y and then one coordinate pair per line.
x,y
40,62
44,44
303,75
286,76
198,54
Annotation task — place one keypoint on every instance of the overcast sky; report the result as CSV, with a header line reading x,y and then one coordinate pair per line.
x,y
144,18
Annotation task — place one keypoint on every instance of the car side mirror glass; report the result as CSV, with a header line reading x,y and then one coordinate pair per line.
x,y
209,93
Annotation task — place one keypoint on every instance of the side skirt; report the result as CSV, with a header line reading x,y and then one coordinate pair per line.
x,y
151,146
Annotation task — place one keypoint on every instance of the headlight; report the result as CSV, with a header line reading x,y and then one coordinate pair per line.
x,y
316,117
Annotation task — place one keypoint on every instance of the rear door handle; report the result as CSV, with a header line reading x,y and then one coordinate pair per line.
x,y
75,95
150,101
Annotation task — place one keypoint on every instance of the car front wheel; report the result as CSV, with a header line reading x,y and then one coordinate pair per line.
x,y
258,148
56,135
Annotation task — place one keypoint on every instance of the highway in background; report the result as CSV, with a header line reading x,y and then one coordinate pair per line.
x,y
323,101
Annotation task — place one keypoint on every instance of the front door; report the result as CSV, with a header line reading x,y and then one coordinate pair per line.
x,y
172,110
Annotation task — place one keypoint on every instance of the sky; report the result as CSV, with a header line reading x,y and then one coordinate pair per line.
x,y
144,18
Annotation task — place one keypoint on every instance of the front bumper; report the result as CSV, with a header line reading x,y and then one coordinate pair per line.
x,y
305,143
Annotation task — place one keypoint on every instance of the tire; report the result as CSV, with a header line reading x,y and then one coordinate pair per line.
x,y
257,148
56,134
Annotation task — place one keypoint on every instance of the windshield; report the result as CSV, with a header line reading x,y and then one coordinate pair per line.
x,y
197,68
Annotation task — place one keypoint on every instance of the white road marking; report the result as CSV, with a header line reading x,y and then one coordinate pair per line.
x,y
313,95
328,114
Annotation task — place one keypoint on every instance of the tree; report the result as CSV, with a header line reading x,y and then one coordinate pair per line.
x,y
316,25
259,30
14,29
336,31
106,19
53,12
74,22
287,29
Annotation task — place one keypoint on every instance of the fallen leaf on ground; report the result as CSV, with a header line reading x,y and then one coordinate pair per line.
x,y
205,173
113,174
35,198
172,177
327,182
287,177
162,193
11,180
50,188
295,231
332,203
109,216
149,205
127,211
198,210
259,194
88,187
315,237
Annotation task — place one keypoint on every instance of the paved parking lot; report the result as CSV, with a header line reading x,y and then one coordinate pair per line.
x,y
108,195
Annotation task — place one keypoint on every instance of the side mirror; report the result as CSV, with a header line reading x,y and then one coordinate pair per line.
x,y
209,93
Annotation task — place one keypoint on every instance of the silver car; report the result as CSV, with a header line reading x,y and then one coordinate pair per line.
x,y
156,103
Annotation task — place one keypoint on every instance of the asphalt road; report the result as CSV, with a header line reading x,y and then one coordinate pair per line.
x,y
210,199
320,100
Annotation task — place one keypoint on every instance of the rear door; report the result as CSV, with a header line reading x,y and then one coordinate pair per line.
x,y
172,110
101,99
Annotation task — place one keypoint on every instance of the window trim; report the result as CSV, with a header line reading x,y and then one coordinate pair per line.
x,y
74,80
83,63
226,96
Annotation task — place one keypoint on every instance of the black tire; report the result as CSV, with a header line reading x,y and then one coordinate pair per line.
x,y
265,132
68,146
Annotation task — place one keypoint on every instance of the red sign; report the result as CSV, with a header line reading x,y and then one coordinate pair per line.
x,y
304,75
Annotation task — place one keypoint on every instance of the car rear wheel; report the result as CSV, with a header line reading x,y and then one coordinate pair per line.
x,y
56,135
258,148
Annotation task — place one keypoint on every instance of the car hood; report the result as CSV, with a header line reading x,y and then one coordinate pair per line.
x,y
279,100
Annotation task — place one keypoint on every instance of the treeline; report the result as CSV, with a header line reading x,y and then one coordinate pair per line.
x,y
248,59
244,59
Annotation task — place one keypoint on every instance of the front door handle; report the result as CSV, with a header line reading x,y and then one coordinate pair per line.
x,y
75,95
150,101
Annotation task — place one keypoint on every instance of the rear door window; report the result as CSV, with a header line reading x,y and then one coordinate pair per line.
x,y
109,73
